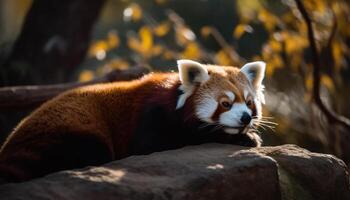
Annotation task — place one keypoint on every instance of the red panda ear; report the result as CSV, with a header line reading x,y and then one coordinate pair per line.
x,y
192,72
255,72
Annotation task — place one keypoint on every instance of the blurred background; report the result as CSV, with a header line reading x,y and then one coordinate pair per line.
x,y
60,41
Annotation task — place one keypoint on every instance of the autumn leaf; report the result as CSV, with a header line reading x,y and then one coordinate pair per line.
x,y
86,75
269,20
113,40
205,31
146,38
309,82
157,50
328,82
98,49
133,12
221,58
162,29
169,55
142,45
241,29
294,42
337,53
118,63
191,51
276,46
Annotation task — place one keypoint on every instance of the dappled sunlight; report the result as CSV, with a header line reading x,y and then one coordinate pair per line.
x,y
100,174
215,167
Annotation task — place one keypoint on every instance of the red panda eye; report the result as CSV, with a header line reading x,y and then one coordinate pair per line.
x,y
249,103
225,104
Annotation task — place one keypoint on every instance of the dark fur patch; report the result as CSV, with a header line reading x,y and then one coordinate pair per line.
x,y
192,74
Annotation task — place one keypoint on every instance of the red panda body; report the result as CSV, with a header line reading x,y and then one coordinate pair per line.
x,y
100,123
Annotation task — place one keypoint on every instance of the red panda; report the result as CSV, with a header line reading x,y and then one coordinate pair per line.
x,y
96,124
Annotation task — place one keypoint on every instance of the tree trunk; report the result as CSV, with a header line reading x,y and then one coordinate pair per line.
x,y
53,41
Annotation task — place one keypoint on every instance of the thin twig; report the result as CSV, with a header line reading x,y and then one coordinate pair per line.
x,y
331,116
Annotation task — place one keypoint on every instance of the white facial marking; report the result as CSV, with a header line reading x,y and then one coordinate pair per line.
x,y
187,91
231,131
230,95
232,117
245,93
206,108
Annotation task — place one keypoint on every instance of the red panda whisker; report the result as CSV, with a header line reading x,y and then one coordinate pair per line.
x,y
263,125
258,126
266,126
264,121
255,131
267,122
254,128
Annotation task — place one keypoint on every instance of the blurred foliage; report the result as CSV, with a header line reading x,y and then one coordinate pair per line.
x,y
281,37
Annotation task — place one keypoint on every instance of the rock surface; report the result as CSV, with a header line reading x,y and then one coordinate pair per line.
x,y
210,171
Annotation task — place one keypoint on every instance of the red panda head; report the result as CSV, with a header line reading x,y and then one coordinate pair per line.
x,y
225,96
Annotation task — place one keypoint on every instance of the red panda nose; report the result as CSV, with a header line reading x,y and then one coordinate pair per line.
x,y
246,118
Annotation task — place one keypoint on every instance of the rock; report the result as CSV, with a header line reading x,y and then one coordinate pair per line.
x,y
209,171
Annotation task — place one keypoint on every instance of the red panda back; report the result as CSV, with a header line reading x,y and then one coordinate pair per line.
x,y
86,126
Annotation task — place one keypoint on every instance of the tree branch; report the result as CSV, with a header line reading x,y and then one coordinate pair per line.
x,y
12,98
332,117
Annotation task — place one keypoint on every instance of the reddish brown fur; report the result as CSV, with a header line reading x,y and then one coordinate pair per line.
x,y
95,110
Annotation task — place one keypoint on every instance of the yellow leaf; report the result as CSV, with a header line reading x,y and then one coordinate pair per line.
x,y
309,82
274,62
97,48
275,45
134,44
133,12
144,44
294,43
328,82
269,20
113,40
157,50
118,64
191,51
146,38
86,75
337,53
205,31
241,29
162,29
168,55
248,8
222,58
